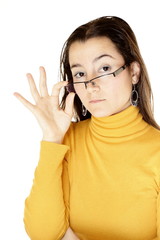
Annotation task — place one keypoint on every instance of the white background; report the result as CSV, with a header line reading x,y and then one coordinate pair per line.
x,y
32,34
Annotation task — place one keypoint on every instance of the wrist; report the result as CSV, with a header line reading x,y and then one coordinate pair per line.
x,y
49,138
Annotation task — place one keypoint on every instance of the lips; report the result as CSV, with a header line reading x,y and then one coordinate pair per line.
x,y
97,100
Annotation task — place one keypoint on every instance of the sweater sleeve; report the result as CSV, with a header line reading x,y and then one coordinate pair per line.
x,y
46,208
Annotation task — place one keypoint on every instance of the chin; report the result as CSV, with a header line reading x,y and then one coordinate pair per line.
x,y
101,113
108,111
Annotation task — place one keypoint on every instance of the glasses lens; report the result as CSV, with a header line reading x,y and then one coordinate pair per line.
x,y
100,80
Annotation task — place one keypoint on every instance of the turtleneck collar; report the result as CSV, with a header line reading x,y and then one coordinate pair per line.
x,y
119,127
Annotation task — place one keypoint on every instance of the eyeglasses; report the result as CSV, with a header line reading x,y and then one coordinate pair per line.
x,y
74,86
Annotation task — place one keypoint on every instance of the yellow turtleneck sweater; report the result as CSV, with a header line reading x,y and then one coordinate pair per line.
x,y
103,182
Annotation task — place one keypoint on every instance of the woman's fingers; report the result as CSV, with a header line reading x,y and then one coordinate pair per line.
x,y
33,88
51,118
55,93
25,102
42,82
42,98
69,104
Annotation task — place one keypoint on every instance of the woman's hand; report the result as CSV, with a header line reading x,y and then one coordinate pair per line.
x,y
53,121
70,235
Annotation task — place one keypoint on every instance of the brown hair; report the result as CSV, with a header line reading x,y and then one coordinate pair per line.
x,y
120,33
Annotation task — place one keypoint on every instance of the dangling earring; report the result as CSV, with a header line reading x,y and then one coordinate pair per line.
x,y
84,110
134,96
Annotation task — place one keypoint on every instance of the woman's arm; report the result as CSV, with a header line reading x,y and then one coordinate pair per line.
x,y
45,215
46,212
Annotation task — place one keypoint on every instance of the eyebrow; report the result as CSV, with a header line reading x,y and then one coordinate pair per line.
x,y
95,60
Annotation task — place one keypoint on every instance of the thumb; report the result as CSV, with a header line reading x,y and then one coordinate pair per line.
x,y
69,104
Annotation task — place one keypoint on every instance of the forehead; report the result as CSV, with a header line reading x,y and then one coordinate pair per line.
x,y
87,50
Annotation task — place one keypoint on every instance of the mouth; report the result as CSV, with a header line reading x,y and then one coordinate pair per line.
x,y
97,100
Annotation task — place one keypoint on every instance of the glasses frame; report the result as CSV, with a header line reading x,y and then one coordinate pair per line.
x,y
115,73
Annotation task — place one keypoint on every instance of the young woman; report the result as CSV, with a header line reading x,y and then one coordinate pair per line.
x,y
98,176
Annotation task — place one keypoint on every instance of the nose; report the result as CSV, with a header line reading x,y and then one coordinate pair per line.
x,y
91,86
91,82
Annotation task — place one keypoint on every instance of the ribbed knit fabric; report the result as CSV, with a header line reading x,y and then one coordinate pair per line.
x,y
103,181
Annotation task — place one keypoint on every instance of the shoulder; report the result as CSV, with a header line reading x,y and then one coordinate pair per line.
x,y
152,137
78,126
154,133
77,130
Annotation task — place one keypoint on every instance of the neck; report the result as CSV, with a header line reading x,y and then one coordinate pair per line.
x,y
122,126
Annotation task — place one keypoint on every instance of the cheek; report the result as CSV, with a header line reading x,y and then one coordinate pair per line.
x,y
120,88
82,96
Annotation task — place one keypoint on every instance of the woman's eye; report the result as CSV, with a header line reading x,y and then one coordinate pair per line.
x,y
105,68
79,75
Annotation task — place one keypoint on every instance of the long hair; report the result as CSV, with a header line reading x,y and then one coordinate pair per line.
x,y
121,34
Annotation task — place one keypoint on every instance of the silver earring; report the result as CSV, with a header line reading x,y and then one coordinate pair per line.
x,y
84,110
134,96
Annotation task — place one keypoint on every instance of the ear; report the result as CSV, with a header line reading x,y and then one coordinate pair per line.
x,y
135,72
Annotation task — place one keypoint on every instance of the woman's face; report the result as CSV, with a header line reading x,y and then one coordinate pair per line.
x,y
95,57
